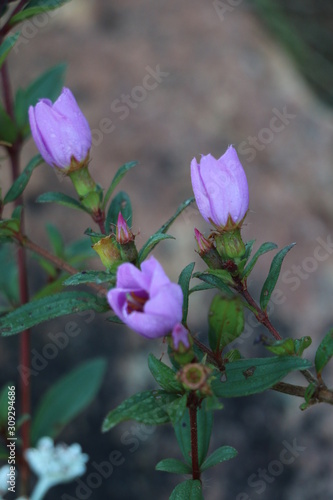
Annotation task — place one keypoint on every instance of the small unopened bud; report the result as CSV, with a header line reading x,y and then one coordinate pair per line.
x,y
123,233
207,251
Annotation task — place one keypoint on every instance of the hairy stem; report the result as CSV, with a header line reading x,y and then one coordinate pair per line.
x,y
192,404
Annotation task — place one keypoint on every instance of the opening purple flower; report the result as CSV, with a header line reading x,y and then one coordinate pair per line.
x,y
220,189
146,300
60,130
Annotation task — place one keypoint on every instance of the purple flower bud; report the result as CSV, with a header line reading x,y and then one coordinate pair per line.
x,y
60,130
203,244
124,234
220,189
180,335
146,300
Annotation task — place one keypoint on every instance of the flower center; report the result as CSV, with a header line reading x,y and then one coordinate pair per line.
x,y
136,301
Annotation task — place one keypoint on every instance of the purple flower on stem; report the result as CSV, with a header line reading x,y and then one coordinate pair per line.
x,y
220,189
146,300
60,130
180,335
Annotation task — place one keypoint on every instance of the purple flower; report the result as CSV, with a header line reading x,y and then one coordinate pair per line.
x,y
146,300
220,188
60,130
180,335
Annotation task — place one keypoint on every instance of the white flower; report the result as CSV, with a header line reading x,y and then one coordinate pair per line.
x,y
4,472
54,464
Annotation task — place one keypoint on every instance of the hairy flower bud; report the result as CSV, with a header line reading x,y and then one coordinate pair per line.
x,y
61,132
220,189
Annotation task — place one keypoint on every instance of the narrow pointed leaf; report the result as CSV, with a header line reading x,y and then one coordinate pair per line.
x,y
8,128
35,7
38,311
164,375
151,244
61,199
215,282
184,282
324,352
273,276
174,466
264,248
117,178
90,277
180,209
250,376
148,407
188,490
19,185
220,455
68,397
226,321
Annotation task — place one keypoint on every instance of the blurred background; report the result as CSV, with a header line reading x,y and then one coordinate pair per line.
x,y
162,82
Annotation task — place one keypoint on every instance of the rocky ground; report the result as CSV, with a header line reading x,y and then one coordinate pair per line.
x,y
220,80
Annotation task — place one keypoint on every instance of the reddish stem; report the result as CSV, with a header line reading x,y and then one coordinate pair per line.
x,y
192,404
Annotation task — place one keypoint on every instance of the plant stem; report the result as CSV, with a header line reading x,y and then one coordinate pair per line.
x,y
192,404
59,263
323,395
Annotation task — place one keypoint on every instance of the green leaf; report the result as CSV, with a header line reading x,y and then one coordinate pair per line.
x,y
68,397
7,46
309,392
177,408
164,375
264,248
151,244
324,352
148,407
184,282
284,347
215,282
56,240
19,185
47,86
35,7
273,276
220,455
8,129
188,490
120,203
37,311
200,288
183,433
180,209
9,274
302,344
250,376
90,277
117,178
61,199
226,321
248,249
174,466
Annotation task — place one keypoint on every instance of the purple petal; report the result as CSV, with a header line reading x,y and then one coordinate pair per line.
x,y
167,304
180,334
38,138
155,275
131,278
199,190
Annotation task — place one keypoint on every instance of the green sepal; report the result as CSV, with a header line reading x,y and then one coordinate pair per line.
x,y
148,407
122,171
188,490
226,321
184,282
250,376
264,248
324,352
68,397
50,307
173,466
222,454
273,276
164,376
19,185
